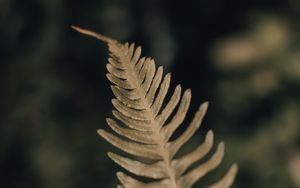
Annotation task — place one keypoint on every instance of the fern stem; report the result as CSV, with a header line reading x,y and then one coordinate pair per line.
x,y
132,78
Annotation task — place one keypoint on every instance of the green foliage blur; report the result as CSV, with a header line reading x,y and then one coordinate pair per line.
x,y
242,56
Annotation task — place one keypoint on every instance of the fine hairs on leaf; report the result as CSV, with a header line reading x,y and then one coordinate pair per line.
x,y
143,125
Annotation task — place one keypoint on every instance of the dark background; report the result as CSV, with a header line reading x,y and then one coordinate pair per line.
x,y
242,56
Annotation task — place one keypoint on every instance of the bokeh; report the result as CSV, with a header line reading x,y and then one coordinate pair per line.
x,y
242,56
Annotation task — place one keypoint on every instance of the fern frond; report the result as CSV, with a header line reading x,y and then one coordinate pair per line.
x,y
140,90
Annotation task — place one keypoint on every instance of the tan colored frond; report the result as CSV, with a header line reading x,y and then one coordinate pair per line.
x,y
141,129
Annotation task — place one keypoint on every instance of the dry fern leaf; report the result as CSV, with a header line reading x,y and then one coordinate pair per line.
x,y
140,90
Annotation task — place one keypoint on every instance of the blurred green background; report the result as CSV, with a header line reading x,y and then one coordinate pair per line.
x,y
242,56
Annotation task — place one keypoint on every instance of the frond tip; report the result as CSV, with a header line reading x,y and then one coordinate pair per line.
x,y
145,121
93,34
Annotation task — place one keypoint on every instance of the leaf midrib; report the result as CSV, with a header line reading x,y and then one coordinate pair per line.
x,y
133,79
